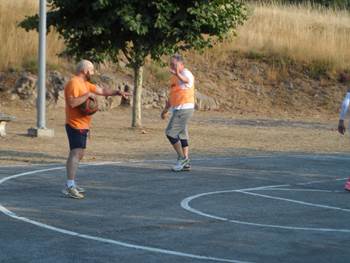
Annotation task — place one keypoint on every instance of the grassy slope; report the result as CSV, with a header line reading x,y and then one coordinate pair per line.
x,y
286,59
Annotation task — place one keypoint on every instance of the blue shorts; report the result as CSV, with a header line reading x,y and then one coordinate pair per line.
x,y
77,137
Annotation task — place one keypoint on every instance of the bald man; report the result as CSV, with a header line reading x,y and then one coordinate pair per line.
x,y
76,92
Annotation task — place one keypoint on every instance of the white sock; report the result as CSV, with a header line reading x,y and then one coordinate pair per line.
x,y
70,183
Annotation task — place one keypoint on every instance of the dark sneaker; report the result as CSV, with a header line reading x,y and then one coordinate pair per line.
x,y
187,167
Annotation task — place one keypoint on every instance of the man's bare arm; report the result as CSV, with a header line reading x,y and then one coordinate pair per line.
x,y
74,102
108,92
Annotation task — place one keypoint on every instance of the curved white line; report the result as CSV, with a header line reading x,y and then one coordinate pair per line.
x,y
301,190
296,201
185,205
100,239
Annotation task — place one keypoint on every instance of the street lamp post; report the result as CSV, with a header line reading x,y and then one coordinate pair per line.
x,y
41,130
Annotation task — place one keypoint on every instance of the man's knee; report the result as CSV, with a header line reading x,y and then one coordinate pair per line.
x,y
184,143
172,140
77,153
81,154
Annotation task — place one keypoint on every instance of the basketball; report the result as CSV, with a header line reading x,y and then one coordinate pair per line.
x,y
89,107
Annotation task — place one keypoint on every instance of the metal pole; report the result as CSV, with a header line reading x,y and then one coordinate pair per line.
x,y
41,101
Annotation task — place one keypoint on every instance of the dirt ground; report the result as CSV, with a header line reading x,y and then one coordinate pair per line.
x,y
212,133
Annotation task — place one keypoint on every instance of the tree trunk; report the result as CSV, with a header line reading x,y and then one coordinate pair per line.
x,y
137,98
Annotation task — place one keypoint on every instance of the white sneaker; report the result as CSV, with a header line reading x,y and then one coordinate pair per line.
x,y
80,189
180,164
72,192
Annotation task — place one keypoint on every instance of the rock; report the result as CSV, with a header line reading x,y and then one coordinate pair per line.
x,y
114,102
55,88
122,64
25,87
108,103
56,83
103,104
14,97
290,85
108,81
204,102
2,78
147,97
157,105
60,101
254,70
147,107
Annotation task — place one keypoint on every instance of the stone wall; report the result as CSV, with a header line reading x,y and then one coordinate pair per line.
x,y
25,89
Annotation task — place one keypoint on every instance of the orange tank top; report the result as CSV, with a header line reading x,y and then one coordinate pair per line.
x,y
179,96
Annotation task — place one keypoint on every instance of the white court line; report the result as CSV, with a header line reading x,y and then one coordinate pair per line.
x,y
300,190
185,204
100,239
322,181
296,201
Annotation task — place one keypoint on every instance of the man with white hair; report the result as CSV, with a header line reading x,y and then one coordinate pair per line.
x,y
181,105
76,92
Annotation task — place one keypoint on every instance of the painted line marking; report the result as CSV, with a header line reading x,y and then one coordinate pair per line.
x,y
185,204
301,190
296,201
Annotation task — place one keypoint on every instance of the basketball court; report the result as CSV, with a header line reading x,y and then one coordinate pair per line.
x,y
270,207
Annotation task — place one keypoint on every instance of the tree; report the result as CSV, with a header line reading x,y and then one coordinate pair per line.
x,y
101,29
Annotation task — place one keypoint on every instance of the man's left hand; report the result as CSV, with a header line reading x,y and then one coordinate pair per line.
x,y
123,94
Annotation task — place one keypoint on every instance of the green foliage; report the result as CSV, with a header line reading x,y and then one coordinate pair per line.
x,y
100,29
319,68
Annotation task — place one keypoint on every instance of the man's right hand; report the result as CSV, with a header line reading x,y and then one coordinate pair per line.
x,y
164,114
341,127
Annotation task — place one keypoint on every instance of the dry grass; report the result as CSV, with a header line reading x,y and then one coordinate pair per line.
x,y
108,128
18,48
301,33
298,32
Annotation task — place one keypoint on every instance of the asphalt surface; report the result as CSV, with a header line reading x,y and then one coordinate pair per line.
x,y
262,208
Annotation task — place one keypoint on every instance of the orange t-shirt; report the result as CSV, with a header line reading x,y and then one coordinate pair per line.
x,y
77,87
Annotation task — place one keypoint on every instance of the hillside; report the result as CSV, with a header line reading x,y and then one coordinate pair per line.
x,y
290,61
